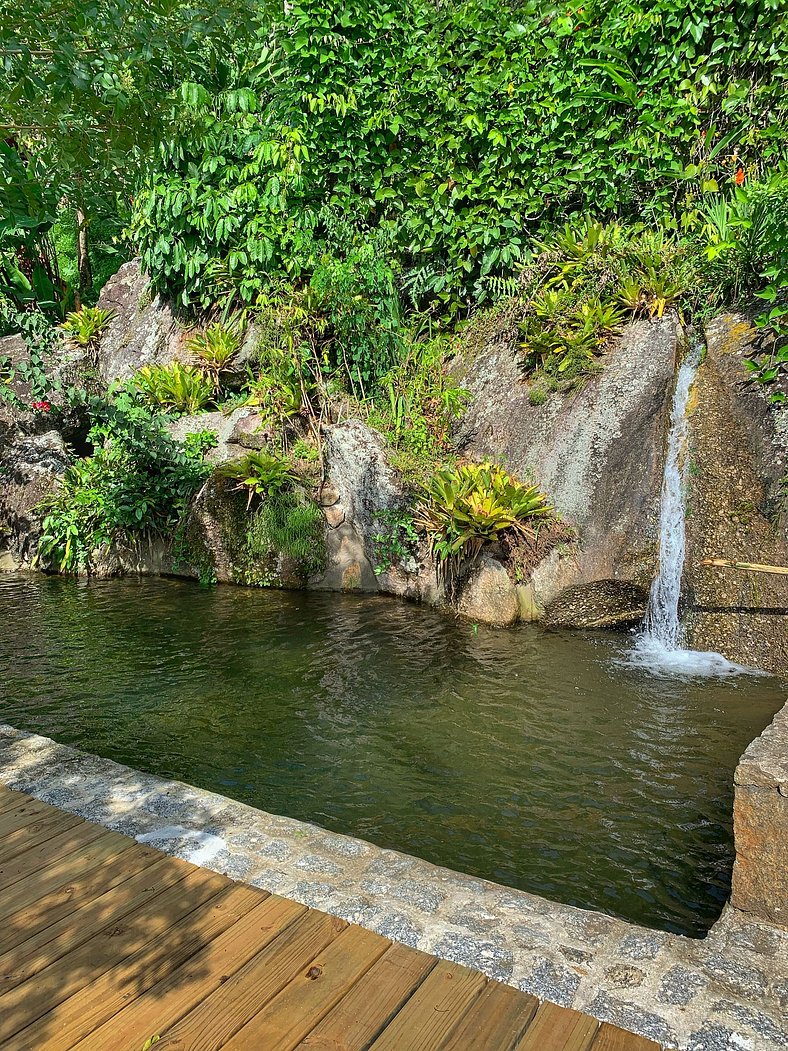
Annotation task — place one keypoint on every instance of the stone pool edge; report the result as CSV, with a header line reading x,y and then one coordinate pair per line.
x,y
727,990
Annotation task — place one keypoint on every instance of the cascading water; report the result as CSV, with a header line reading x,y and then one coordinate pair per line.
x,y
658,647
662,617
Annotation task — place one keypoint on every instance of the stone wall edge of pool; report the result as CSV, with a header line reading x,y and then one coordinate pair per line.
x,y
760,825
726,990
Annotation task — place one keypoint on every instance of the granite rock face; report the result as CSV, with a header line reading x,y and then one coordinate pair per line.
x,y
738,446
31,465
144,330
760,822
489,595
597,451
361,483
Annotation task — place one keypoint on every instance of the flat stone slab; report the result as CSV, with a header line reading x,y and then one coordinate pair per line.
x,y
725,991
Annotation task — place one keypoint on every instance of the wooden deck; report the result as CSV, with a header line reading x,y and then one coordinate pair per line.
x,y
105,944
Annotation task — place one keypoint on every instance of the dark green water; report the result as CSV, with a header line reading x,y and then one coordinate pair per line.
x,y
524,756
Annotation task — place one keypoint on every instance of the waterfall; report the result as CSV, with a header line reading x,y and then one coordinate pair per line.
x,y
662,617
658,647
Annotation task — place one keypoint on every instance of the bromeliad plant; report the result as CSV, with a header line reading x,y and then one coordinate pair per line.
x,y
259,473
464,507
175,387
215,348
85,326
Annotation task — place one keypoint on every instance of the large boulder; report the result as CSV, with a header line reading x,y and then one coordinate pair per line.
x,y
489,595
147,329
597,450
735,510
31,466
360,483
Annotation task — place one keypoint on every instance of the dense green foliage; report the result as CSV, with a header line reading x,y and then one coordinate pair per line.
x,y
357,180
289,524
462,130
138,483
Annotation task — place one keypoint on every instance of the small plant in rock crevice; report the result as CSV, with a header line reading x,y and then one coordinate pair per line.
x,y
85,326
215,348
396,540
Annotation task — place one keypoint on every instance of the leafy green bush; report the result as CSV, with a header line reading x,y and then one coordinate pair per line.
x,y
465,506
138,483
416,405
396,540
463,130
182,388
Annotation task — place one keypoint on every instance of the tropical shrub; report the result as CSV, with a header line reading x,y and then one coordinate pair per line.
x,y
416,405
180,388
138,483
464,507
463,130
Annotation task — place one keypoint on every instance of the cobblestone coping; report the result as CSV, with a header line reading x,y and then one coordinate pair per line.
x,y
726,991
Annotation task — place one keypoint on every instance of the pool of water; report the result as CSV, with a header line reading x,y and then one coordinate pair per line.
x,y
529,757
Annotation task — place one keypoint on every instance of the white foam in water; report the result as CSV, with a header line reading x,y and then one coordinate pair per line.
x,y
658,648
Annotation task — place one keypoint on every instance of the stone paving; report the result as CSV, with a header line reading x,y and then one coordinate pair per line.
x,y
728,990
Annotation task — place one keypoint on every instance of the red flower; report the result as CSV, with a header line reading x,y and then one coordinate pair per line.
x,y
41,406
739,176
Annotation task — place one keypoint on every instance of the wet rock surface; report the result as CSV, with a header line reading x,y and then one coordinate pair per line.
x,y
737,460
727,990
31,466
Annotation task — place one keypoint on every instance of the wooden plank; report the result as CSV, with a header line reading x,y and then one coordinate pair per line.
x,y
495,1021
35,860
43,948
210,1025
55,983
308,998
37,831
9,797
169,1000
611,1038
99,1000
372,1002
56,872
434,1010
558,1029
101,871
24,813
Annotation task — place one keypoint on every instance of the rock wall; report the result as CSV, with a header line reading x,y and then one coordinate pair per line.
x,y
760,825
599,453
737,461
